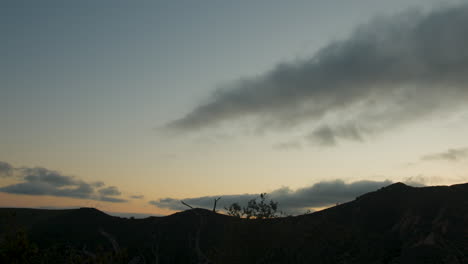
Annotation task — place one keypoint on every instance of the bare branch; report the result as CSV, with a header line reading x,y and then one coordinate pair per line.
x,y
186,204
215,201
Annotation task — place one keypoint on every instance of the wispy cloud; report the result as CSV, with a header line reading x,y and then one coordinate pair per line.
x,y
321,194
137,196
388,73
455,154
289,145
42,181
327,136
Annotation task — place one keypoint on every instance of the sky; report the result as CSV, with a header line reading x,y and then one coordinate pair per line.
x,y
132,106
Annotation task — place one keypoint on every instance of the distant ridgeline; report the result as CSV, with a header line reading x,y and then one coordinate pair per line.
x,y
396,224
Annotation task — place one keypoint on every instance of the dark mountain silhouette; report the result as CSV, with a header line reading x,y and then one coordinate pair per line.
x,y
396,224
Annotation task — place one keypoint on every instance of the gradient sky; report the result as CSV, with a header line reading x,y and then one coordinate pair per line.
x,y
185,99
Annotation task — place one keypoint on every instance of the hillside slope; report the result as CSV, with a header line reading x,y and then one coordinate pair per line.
x,y
396,224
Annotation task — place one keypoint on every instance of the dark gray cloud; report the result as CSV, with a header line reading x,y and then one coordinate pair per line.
x,y
450,155
111,199
389,72
43,175
75,190
42,181
6,170
290,201
137,196
327,136
111,191
324,135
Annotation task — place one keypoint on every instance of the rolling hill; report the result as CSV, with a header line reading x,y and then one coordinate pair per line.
x,y
396,224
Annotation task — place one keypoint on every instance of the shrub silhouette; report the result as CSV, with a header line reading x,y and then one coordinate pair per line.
x,y
258,208
234,210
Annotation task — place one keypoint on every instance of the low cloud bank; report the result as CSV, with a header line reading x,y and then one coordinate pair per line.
x,y
290,201
42,181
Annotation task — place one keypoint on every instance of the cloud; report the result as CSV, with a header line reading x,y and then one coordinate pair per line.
x,y
137,196
6,169
289,145
43,175
327,136
111,199
111,191
321,194
391,71
98,184
450,155
42,181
